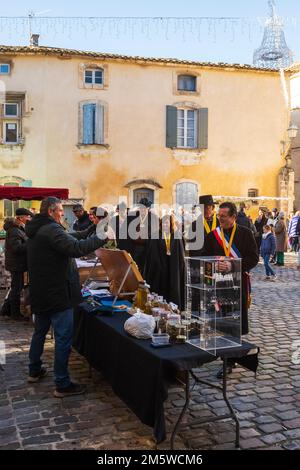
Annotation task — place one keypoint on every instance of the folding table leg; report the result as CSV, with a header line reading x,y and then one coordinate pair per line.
x,y
232,412
186,404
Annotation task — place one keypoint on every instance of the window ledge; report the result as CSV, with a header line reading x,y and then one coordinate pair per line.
x,y
186,92
6,146
93,86
188,157
92,146
88,150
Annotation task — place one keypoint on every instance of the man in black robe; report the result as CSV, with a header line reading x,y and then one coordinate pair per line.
x,y
164,265
210,222
198,232
245,243
142,226
119,224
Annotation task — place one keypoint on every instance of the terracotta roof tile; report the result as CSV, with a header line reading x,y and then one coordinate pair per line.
x,y
55,51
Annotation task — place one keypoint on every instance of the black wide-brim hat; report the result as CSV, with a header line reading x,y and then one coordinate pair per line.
x,y
207,200
22,211
145,202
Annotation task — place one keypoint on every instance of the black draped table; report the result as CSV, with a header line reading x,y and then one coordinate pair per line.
x,y
140,374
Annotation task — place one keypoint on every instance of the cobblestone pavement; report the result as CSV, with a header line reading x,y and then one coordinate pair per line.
x,y
268,405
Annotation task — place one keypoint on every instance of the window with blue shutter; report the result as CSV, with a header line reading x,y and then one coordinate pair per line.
x,y
4,69
203,128
89,123
171,128
92,119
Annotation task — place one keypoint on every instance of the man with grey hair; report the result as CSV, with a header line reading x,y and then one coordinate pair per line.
x,y
54,290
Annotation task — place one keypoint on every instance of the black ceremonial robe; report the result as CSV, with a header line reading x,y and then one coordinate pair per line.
x,y
245,242
121,231
192,236
166,273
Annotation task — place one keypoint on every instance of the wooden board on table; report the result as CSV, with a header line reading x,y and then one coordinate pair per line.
x,y
116,263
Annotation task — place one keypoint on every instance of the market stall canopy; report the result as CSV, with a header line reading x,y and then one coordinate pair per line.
x,y
15,193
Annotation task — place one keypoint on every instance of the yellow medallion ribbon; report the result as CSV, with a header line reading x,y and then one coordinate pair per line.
x,y
228,248
168,243
214,224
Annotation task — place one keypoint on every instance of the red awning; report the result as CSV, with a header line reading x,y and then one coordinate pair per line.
x,y
15,193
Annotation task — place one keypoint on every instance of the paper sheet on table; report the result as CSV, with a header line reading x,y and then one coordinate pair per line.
x,y
99,292
86,263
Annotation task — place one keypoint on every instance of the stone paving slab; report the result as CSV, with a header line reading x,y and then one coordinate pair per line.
x,y
268,405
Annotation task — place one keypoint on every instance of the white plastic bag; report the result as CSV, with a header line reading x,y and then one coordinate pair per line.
x,y
140,325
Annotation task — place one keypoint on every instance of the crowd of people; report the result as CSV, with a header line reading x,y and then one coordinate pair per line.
x,y
39,244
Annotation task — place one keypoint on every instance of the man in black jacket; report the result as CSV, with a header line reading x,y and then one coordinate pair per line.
x,y
16,258
240,242
54,290
83,219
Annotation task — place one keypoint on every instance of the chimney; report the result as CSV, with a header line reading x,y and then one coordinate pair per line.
x,y
34,40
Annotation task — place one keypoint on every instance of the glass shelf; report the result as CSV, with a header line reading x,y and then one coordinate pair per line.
x,y
216,308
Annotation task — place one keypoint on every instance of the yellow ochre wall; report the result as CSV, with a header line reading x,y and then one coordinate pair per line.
x,y
247,121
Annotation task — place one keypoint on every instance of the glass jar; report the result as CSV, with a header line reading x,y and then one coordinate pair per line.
x,y
182,333
142,296
162,322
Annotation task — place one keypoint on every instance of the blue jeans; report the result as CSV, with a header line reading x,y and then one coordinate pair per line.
x,y
269,270
62,323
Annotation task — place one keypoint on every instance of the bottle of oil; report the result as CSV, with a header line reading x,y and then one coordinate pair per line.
x,y
142,295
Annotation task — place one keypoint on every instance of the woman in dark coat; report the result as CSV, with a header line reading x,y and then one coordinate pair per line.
x,y
164,266
260,222
16,258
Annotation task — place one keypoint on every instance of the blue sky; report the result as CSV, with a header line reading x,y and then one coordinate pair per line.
x,y
212,41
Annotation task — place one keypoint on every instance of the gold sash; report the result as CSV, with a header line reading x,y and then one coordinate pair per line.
x,y
214,224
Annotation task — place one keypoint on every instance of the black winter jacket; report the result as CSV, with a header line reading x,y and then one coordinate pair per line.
x,y
243,220
15,246
82,223
53,275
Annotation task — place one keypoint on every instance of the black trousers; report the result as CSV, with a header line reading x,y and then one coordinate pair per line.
x,y
17,284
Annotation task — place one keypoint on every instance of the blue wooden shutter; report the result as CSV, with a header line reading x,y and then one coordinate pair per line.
x,y
89,116
171,128
203,128
99,124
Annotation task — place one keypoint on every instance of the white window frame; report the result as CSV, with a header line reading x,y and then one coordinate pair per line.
x,y
7,65
11,116
4,132
94,76
185,128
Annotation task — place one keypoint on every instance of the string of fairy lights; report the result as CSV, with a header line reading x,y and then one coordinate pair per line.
x,y
196,28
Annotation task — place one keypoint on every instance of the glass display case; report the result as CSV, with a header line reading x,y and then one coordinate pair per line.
x,y
213,301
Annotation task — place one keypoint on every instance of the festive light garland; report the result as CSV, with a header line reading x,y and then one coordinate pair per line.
x,y
147,27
